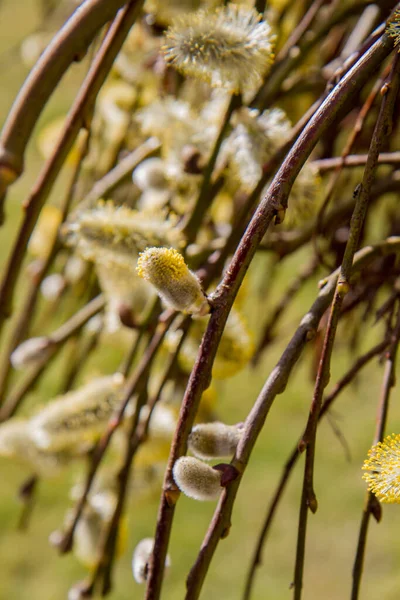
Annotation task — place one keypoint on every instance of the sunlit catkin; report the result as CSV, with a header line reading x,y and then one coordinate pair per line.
x,y
228,47
383,469
78,416
214,440
167,271
120,229
196,479
141,558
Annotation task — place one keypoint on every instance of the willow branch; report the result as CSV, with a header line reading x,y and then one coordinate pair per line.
x,y
76,119
69,44
192,225
355,160
371,505
274,202
294,456
275,384
134,385
21,325
121,172
55,342
308,500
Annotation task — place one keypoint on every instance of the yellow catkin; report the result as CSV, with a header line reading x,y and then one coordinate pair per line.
x,y
167,271
383,469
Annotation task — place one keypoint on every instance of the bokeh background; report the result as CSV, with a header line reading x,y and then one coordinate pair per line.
x,y
31,569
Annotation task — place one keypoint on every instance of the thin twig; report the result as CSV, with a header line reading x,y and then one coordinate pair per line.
x,y
371,505
134,385
192,225
308,499
55,342
355,160
294,456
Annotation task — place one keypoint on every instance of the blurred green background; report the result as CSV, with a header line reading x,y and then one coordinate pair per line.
x,y
31,569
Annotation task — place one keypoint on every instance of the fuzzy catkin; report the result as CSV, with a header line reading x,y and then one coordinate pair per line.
x,y
214,440
78,416
228,47
167,271
141,557
196,479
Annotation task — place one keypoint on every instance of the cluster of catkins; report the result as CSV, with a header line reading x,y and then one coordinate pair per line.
x,y
134,237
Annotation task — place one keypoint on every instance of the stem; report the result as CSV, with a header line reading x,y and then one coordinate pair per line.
x,y
308,500
134,385
274,201
76,119
294,456
192,226
56,339
355,160
371,505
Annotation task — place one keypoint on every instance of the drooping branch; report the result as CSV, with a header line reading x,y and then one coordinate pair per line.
x,y
371,505
69,45
382,129
275,384
274,202
294,456
76,119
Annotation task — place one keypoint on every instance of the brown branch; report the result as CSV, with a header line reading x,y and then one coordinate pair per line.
x,y
137,436
294,456
274,202
134,385
77,118
275,384
55,341
20,328
193,223
308,499
355,160
121,172
288,295
69,44
371,505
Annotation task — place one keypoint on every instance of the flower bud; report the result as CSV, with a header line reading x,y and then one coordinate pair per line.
x,y
141,558
150,174
17,442
196,479
214,440
52,286
31,352
167,271
78,416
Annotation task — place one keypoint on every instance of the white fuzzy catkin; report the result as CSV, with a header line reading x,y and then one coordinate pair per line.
x,y
214,440
79,415
31,352
141,557
196,479
16,441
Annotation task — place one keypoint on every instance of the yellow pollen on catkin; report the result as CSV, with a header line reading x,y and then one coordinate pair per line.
x,y
167,262
167,271
383,469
